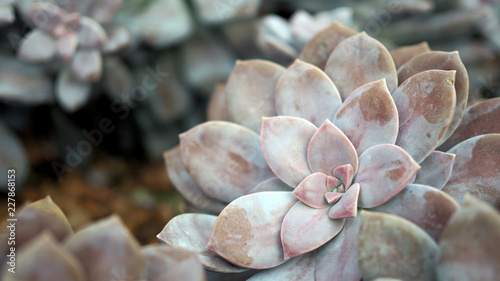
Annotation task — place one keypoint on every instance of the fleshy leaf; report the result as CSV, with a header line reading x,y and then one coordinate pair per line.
x,y
443,61
468,246
329,148
368,116
165,263
403,54
476,169
425,103
103,11
306,91
192,232
66,46
250,92
347,206
427,207
87,65
247,231
384,170
436,169
119,38
71,94
389,246
91,34
272,184
45,260
107,246
358,60
224,159
344,173
319,48
296,269
311,191
46,16
186,185
284,142
338,259
217,108
305,229
37,46
481,118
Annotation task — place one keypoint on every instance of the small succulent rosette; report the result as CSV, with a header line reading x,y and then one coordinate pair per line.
x,y
347,126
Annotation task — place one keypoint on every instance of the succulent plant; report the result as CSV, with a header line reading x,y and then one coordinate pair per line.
x,y
6,11
102,251
330,142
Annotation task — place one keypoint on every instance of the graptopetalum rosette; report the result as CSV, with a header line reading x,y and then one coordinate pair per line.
x,y
330,142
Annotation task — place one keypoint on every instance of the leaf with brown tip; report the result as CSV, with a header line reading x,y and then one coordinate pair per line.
x,y
476,169
389,246
444,61
250,91
481,118
403,54
358,60
306,91
468,246
425,103
318,49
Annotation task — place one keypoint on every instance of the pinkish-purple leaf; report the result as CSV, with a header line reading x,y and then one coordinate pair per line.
x,y
425,103
306,91
479,119
427,207
166,263
66,46
436,169
186,185
103,11
358,60
272,184
192,232
217,108
311,191
224,159
46,16
329,148
119,38
91,33
247,231
37,46
347,206
296,269
305,229
468,248
389,246
338,259
284,142
383,170
368,116
444,61
250,92
403,54
345,174
319,48
476,169
87,65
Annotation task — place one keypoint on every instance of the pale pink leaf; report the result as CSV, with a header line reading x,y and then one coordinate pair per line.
x,y
103,11
389,246
119,38
250,92
329,148
66,46
476,169
217,108
368,116
224,159
306,91
296,269
345,174
70,93
425,103
305,229
37,46
192,232
91,34
46,16
247,231
403,54
87,65
319,48
284,142
272,184
358,60
347,206
427,207
384,170
436,169
311,191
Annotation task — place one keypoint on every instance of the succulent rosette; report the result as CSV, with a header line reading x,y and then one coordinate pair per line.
x,y
340,129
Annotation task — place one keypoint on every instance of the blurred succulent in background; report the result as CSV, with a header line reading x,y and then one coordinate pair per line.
x,y
102,251
6,11
361,112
